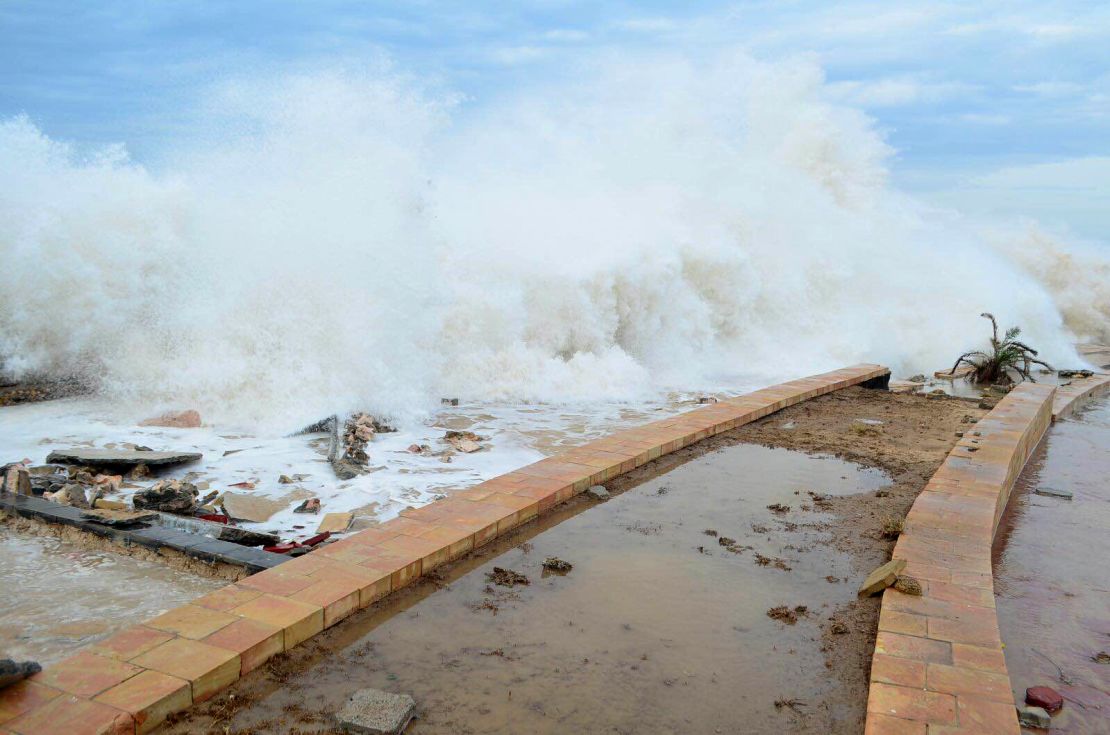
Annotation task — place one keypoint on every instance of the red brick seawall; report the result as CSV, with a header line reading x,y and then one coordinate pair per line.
x,y
132,681
938,667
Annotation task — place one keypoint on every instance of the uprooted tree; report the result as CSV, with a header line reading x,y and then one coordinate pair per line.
x,y
1007,357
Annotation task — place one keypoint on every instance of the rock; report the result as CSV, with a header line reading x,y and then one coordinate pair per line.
x,y
347,470
108,483
175,420
243,537
555,564
882,577
251,508
506,577
285,480
1045,697
919,378
463,441
17,480
907,585
374,712
1034,717
139,472
1049,492
706,399
310,505
599,492
12,672
335,523
103,504
119,518
70,494
120,457
168,496
449,401
988,402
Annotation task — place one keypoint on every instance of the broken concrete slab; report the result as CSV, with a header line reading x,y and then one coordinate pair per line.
x,y
335,522
175,420
120,457
119,518
374,712
882,577
251,508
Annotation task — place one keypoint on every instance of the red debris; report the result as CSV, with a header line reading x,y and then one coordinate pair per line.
x,y
282,548
1045,697
214,517
244,485
318,538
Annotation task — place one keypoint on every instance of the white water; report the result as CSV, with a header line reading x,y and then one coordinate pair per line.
x,y
351,240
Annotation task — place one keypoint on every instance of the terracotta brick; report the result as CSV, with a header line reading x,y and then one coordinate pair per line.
x,y
86,674
300,620
255,642
978,657
987,716
69,715
130,642
973,682
880,724
911,647
191,621
912,704
23,697
979,630
275,582
207,668
338,597
900,622
226,598
901,671
149,697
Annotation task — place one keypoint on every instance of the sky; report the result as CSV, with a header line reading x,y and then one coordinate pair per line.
x,y
995,108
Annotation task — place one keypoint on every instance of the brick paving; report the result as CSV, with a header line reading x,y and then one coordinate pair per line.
x,y
132,681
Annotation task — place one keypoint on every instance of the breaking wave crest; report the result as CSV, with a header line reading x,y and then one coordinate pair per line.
x,y
349,239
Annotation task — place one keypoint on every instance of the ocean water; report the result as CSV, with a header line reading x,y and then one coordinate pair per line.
x,y
565,254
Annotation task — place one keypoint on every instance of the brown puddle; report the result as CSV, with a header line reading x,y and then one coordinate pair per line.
x,y
1051,573
658,628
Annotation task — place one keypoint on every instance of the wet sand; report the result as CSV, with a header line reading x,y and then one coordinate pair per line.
x,y
648,632
1051,580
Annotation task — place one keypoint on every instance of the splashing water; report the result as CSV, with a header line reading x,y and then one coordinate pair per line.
x,y
352,240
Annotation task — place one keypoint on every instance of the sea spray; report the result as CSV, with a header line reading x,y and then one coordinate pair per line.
x,y
349,240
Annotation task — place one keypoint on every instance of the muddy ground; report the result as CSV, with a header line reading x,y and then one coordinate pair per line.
x,y
914,436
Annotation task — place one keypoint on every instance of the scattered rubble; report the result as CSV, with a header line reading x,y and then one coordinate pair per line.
x,y
12,672
1035,717
1102,657
374,712
1049,492
882,577
839,627
419,449
599,492
907,585
778,508
787,615
189,419
464,441
506,577
893,527
17,479
119,518
169,496
71,494
310,505
557,565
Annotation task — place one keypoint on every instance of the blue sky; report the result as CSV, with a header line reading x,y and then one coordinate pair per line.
x,y
998,108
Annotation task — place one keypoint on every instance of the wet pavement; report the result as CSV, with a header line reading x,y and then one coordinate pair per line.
x,y
660,627
1052,574
59,596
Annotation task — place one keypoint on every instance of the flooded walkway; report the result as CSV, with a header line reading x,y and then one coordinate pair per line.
x,y
1051,579
60,596
662,626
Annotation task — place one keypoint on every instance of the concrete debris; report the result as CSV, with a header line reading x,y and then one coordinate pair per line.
x,y
119,518
243,537
1046,697
599,491
374,712
1035,717
706,399
464,441
1049,492
168,496
17,479
335,523
70,494
104,504
120,457
12,672
907,585
251,508
882,577
189,419
988,402
419,449
449,401
919,378
139,472
310,505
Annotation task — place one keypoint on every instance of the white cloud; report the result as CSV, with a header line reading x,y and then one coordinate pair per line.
x,y
1050,89
896,91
